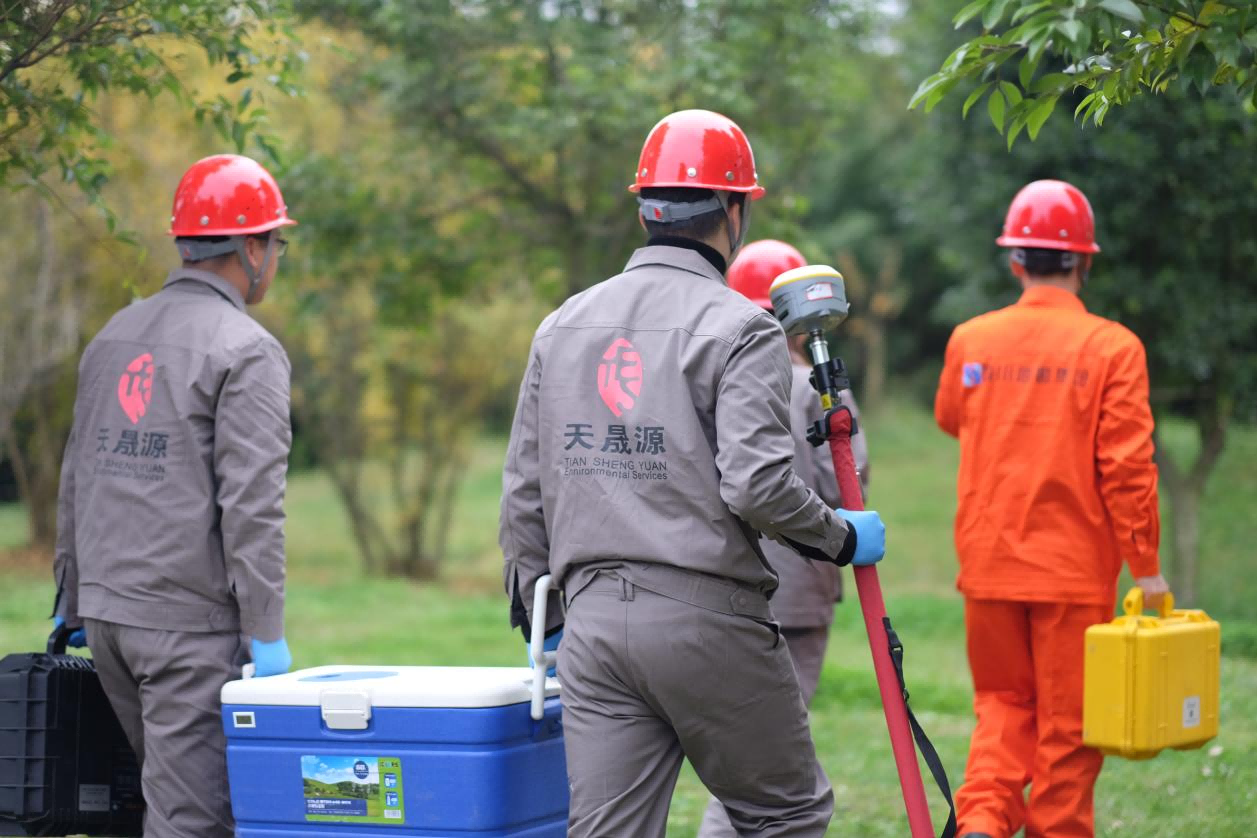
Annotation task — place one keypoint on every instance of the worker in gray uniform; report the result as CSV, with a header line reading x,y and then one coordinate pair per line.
x,y
170,543
806,592
650,448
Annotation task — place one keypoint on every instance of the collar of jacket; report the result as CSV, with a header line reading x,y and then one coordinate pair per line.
x,y
710,255
1051,296
224,288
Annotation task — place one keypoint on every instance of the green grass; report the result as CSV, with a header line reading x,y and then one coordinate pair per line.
x,y
338,615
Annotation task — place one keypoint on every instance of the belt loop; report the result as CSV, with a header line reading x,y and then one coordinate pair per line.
x,y
626,590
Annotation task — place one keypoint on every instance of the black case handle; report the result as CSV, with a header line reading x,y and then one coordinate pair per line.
x,y
59,639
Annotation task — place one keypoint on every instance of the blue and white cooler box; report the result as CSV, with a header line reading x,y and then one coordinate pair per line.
x,y
357,751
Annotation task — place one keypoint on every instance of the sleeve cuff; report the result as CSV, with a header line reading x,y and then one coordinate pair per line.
x,y
1144,566
266,628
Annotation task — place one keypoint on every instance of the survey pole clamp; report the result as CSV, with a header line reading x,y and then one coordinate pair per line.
x,y
541,659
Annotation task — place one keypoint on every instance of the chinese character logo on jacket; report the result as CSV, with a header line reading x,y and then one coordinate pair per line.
x,y
620,376
135,388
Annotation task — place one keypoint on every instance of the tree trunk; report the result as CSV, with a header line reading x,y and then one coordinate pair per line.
x,y
1185,541
1186,488
874,385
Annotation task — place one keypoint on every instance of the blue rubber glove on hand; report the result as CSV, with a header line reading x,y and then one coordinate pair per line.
x,y
551,644
870,536
271,658
78,637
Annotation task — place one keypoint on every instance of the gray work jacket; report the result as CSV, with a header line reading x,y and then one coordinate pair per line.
x,y
653,427
807,590
170,514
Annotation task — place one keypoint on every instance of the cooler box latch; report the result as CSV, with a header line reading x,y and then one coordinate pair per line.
x,y
345,709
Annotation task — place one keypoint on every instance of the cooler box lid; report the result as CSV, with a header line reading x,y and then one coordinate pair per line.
x,y
392,686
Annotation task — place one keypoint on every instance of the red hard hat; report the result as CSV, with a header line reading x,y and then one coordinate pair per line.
x,y
1052,215
758,264
227,195
698,149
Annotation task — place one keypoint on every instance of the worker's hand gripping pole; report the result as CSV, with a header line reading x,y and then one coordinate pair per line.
x,y
541,659
808,301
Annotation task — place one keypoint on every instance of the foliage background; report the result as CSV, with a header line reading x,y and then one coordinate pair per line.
x,y
459,169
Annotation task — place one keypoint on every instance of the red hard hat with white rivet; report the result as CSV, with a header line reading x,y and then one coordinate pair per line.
x,y
227,195
698,149
1050,215
758,264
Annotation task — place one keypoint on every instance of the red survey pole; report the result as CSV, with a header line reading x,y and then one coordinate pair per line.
x,y
808,301
874,608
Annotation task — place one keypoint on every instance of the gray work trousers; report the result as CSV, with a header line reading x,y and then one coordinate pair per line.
x,y
650,679
807,651
164,687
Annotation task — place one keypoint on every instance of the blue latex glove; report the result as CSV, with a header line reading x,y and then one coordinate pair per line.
x,y
870,536
551,644
78,637
271,658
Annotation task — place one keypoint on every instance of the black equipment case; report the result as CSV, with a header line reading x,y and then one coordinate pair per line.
x,y
66,767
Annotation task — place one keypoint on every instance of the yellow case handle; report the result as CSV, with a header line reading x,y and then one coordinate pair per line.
x,y
1133,603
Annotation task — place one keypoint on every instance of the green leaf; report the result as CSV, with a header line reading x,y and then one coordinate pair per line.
x,y
994,13
927,87
1026,70
969,12
1039,114
1052,82
1011,93
1039,43
1029,9
1014,130
995,107
1124,9
1071,29
974,97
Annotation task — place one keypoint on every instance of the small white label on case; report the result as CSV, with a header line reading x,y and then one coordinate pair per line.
x,y
243,719
93,798
1191,711
820,291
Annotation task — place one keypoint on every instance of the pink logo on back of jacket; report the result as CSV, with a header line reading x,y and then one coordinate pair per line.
x,y
135,388
620,376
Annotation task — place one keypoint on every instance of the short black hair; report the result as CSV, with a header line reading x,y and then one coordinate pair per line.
x,y
1041,262
700,226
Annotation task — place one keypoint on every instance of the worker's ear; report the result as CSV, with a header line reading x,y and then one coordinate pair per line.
x,y
1018,269
737,218
642,221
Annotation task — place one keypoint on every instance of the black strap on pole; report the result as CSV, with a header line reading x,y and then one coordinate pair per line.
x,y
924,745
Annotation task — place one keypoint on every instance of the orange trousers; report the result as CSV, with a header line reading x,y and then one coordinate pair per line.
x,y
1027,661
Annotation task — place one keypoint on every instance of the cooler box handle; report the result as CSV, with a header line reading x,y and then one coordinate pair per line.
x,y
542,660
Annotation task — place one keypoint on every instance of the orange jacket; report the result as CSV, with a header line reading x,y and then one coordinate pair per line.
x,y
1057,485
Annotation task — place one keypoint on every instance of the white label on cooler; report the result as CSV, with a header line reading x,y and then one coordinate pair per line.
x,y
393,814
1191,711
93,798
820,291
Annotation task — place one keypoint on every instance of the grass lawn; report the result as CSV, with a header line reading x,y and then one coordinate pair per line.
x,y
336,615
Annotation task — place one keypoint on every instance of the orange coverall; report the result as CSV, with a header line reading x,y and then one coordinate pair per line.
x,y
1056,488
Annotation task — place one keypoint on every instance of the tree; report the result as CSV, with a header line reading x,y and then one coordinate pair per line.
x,y
58,56
1174,185
539,108
1115,50
40,325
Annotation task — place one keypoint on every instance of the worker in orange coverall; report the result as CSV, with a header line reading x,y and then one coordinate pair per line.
x,y
1056,489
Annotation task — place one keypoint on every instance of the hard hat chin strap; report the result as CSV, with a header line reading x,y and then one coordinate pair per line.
x,y
255,276
735,242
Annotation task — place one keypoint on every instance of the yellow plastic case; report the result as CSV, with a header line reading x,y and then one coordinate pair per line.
x,y
1151,683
